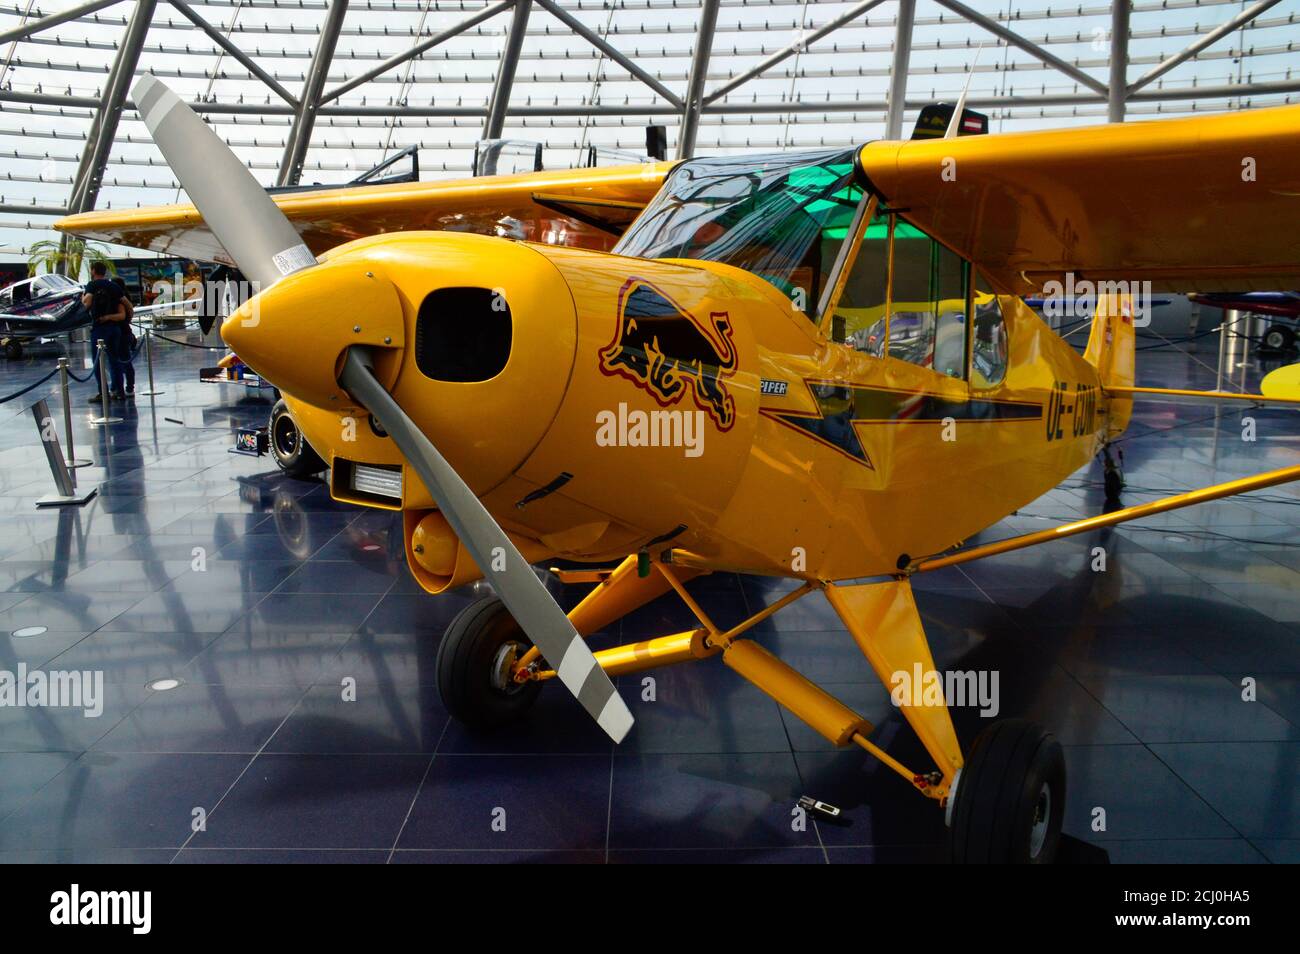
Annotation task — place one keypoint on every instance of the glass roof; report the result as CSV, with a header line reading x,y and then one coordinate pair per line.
x,y
567,94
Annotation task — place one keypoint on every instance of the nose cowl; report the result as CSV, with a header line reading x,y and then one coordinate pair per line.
x,y
490,348
295,333
475,337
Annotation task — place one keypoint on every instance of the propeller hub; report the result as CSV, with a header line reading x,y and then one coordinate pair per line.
x,y
295,333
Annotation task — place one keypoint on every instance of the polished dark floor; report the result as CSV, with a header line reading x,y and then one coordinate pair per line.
x,y
1139,671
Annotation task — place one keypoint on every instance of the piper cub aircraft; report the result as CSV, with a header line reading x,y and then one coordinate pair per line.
x,y
805,365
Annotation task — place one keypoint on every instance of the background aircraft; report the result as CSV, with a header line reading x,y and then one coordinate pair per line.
x,y
1285,304
44,306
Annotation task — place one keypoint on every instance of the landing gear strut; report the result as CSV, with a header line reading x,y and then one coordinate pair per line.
x,y
1005,803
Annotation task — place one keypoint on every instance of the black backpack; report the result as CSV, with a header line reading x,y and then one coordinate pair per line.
x,y
104,301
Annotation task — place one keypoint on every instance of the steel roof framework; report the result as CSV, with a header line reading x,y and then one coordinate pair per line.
x,y
639,60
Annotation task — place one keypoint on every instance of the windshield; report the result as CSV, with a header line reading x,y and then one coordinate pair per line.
x,y
54,283
782,217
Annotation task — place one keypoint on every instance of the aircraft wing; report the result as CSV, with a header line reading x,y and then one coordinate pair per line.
x,y
1202,204
60,318
584,207
185,308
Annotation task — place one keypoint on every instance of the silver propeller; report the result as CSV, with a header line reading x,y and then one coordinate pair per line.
x,y
236,208
266,247
519,588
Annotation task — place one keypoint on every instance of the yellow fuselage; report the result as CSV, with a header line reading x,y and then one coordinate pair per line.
x,y
860,461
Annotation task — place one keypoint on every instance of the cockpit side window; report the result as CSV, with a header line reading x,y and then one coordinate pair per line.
x,y
928,289
991,346
909,296
858,315
784,218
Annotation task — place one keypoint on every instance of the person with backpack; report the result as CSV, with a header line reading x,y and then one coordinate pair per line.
x,y
104,300
128,337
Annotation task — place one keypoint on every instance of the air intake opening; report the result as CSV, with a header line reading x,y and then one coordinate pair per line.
x,y
462,334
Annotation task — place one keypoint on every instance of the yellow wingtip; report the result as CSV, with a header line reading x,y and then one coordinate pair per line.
x,y
1282,383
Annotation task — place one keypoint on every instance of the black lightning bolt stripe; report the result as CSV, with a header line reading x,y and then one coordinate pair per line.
x,y
841,407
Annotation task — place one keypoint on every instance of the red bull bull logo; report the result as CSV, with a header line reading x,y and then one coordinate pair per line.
x,y
665,350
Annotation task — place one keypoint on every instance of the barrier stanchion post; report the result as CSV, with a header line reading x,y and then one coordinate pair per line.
x,y
1228,318
101,357
72,461
148,360
64,479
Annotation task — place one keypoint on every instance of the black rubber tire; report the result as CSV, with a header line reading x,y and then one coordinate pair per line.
x,y
291,451
13,350
999,796
1278,338
466,656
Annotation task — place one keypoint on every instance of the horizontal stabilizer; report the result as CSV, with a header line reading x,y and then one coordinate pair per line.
x,y
1176,396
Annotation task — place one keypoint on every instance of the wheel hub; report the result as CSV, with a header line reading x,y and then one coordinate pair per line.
x,y
503,668
1042,821
286,437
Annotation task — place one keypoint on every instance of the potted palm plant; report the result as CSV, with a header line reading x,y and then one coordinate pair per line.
x,y
66,256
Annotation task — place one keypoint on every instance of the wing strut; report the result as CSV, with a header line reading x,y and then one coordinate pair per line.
x,y
1202,495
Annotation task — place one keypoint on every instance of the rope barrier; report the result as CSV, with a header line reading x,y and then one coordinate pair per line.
x,y
187,344
31,387
139,343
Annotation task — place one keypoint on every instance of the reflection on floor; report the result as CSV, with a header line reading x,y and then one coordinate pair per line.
x,y
1139,670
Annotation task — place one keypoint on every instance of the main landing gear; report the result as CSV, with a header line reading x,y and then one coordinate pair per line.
x,y
1010,797
289,448
475,667
1278,338
1004,803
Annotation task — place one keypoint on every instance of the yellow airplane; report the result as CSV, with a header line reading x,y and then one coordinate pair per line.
x,y
807,365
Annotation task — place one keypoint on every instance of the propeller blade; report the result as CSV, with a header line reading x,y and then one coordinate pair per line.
x,y
519,588
240,213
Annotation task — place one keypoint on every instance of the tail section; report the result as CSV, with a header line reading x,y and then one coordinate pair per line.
x,y
1111,350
